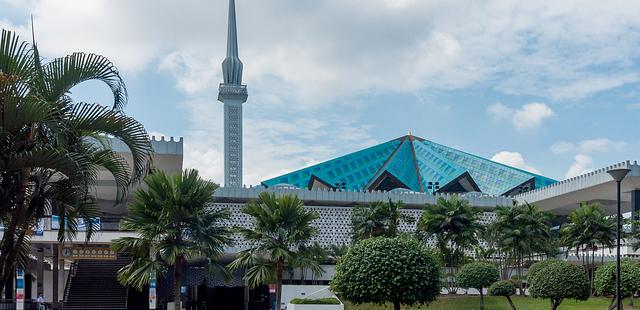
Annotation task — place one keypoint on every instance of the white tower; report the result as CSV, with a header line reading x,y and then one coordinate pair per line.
x,y
232,94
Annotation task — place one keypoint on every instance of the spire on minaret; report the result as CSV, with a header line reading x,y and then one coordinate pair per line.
x,y
232,94
232,66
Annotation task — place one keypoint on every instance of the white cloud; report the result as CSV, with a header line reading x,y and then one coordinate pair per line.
x,y
582,164
542,48
274,141
583,150
633,106
513,159
590,146
562,147
529,116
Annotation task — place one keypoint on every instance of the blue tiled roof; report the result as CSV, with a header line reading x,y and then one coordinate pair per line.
x,y
412,162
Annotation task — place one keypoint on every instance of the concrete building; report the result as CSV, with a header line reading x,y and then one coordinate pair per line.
x,y
410,169
52,262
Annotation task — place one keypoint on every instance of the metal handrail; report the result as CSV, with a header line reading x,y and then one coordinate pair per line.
x,y
72,272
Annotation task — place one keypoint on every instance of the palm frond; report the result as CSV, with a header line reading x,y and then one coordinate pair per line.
x,y
64,73
96,118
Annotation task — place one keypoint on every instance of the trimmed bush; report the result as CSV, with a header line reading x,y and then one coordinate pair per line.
x,y
557,281
605,280
503,288
533,269
478,275
319,301
379,270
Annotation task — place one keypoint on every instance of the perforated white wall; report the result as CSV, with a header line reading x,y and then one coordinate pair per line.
x,y
334,224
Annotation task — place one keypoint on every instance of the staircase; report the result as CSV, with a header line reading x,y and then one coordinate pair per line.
x,y
93,286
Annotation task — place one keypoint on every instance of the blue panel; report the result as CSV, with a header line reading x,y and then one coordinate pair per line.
x,y
434,162
355,169
491,177
402,166
434,167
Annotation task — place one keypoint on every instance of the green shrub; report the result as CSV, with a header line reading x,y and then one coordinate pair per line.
x,y
478,275
533,269
395,270
504,288
319,301
605,280
557,281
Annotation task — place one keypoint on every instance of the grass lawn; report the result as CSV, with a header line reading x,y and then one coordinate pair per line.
x,y
500,303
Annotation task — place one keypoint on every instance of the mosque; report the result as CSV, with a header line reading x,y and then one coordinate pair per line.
x,y
410,169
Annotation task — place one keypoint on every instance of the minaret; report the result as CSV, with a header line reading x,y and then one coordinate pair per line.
x,y
232,94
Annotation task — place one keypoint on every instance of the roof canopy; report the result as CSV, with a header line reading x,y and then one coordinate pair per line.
x,y
416,164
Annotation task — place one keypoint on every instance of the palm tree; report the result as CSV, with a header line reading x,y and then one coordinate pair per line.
x,y
377,219
51,146
588,228
175,224
336,252
521,231
310,258
456,228
281,226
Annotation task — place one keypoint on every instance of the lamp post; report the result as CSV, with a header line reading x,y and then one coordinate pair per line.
x,y
618,175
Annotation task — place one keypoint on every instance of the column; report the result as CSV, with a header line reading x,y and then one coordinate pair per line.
x,y
61,278
40,272
54,278
635,207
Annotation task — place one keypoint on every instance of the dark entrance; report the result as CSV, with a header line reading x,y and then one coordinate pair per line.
x,y
220,297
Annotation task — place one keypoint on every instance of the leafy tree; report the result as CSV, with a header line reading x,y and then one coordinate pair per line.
x,y
377,219
336,252
504,288
310,258
558,281
478,275
605,279
456,227
398,270
175,223
51,147
588,228
521,231
535,268
281,226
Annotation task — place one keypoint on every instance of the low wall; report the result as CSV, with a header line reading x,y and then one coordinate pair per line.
x,y
315,307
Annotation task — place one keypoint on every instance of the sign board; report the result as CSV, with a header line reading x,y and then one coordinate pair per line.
x,y
153,298
39,229
89,252
82,225
19,289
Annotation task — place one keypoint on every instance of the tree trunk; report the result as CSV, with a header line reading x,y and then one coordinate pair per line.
x,y
593,270
10,245
279,268
513,307
396,305
481,300
177,272
520,284
613,303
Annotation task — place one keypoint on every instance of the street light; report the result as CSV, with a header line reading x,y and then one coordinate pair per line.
x,y
618,175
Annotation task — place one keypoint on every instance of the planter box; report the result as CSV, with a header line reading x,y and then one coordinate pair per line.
x,y
315,307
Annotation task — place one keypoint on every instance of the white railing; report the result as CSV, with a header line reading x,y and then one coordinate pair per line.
x,y
355,196
576,183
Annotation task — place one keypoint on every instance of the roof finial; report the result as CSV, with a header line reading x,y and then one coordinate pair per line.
x,y
409,132
232,66
33,31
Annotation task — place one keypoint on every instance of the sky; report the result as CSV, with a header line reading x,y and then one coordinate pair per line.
x,y
547,86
